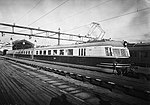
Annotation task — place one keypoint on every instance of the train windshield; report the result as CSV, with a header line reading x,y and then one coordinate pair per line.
x,y
108,51
120,52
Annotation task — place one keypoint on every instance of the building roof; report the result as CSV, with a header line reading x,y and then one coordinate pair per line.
x,y
22,44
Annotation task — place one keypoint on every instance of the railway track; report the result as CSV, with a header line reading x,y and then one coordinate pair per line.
x,y
103,91
77,95
18,89
129,73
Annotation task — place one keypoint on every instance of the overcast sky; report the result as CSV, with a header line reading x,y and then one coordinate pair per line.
x,y
75,16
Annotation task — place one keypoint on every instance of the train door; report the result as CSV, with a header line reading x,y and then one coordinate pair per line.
x,y
82,52
81,59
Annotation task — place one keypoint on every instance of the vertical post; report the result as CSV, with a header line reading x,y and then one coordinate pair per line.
x,y
14,52
11,42
33,49
32,55
58,36
13,28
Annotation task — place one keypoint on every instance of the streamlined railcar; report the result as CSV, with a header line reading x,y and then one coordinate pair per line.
x,y
94,53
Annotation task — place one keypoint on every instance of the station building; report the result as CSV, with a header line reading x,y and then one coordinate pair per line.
x,y
4,47
18,44
22,44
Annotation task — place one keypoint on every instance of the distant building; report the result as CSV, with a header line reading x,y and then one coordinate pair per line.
x,y
4,47
22,44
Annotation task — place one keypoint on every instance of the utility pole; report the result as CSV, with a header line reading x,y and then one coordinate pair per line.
x,y
58,36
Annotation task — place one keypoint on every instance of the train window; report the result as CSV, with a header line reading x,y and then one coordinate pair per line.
x,y
61,52
123,52
49,52
36,52
28,52
116,52
54,52
40,52
70,52
44,52
79,52
108,51
84,52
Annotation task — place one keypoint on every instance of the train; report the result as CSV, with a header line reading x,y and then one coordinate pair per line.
x,y
93,53
139,54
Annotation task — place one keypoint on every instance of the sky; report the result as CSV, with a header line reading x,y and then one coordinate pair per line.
x,y
120,19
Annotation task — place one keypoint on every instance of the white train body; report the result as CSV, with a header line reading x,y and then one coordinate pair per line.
x,y
96,52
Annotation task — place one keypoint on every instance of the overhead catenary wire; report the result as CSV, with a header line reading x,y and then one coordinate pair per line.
x,y
130,36
114,17
124,14
133,35
28,11
48,12
83,11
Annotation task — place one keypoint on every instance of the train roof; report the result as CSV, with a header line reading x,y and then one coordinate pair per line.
x,y
138,44
88,44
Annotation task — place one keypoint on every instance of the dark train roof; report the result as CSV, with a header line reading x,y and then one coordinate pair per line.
x,y
138,44
22,44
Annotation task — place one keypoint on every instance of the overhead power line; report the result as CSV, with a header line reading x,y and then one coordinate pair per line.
x,y
131,36
83,11
129,13
29,11
48,13
124,14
